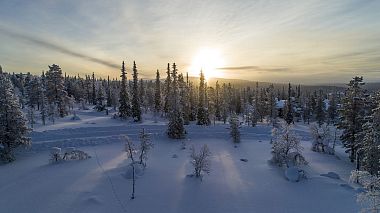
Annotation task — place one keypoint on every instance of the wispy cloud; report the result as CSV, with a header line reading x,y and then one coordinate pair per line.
x,y
255,68
55,47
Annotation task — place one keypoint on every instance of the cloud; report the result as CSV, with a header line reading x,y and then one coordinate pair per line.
x,y
49,45
255,68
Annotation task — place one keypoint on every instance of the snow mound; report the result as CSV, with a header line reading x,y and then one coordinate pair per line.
x,y
346,186
332,175
139,171
292,174
175,156
360,190
92,200
75,118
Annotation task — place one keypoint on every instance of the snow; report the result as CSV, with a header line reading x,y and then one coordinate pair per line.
x,y
293,174
100,184
332,175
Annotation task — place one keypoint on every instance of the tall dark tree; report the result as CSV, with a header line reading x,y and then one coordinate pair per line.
x,y
167,90
157,94
202,114
289,107
56,93
176,129
136,109
125,107
352,116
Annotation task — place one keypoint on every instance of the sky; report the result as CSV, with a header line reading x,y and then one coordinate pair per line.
x,y
307,42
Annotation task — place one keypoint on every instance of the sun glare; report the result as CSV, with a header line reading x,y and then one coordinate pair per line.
x,y
208,60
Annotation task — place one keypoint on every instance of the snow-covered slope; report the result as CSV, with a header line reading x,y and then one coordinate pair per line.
x,y
32,184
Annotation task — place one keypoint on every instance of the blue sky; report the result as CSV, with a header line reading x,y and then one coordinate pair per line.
x,y
279,41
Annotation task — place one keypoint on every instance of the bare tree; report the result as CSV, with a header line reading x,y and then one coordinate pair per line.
x,y
129,148
201,161
145,145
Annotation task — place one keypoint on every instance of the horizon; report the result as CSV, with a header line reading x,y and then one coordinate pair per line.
x,y
310,43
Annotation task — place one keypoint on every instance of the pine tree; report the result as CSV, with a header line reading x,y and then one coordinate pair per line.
x,y
125,107
43,100
55,91
352,116
332,110
202,114
167,90
217,102
289,107
157,94
176,129
13,129
234,128
136,110
320,110
100,106
93,90
109,96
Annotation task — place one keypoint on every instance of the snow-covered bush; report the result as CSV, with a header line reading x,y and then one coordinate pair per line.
x,y
286,148
234,128
69,153
322,139
370,197
201,160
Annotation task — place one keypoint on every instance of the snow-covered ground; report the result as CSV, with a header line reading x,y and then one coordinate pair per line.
x,y
32,184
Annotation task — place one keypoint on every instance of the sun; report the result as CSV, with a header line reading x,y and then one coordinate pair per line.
x,y
208,60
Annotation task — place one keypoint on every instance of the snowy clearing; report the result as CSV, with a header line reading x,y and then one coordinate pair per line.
x,y
100,184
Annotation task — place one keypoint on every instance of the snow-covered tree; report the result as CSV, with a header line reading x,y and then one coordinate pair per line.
x,y
202,114
176,129
13,129
352,116
234,128
55,91
136,110
167,91
145,145
370,151
125,107
322,138
157,94
286,147
100,106
201,161
289,107
320,110
370,198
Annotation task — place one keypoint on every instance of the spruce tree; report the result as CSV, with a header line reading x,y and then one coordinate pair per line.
x,y
352,116
289,107
93,90
176,129
320,110
136,110
167,90
55,90
13,129
125,107
202,114
109,96
157,94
